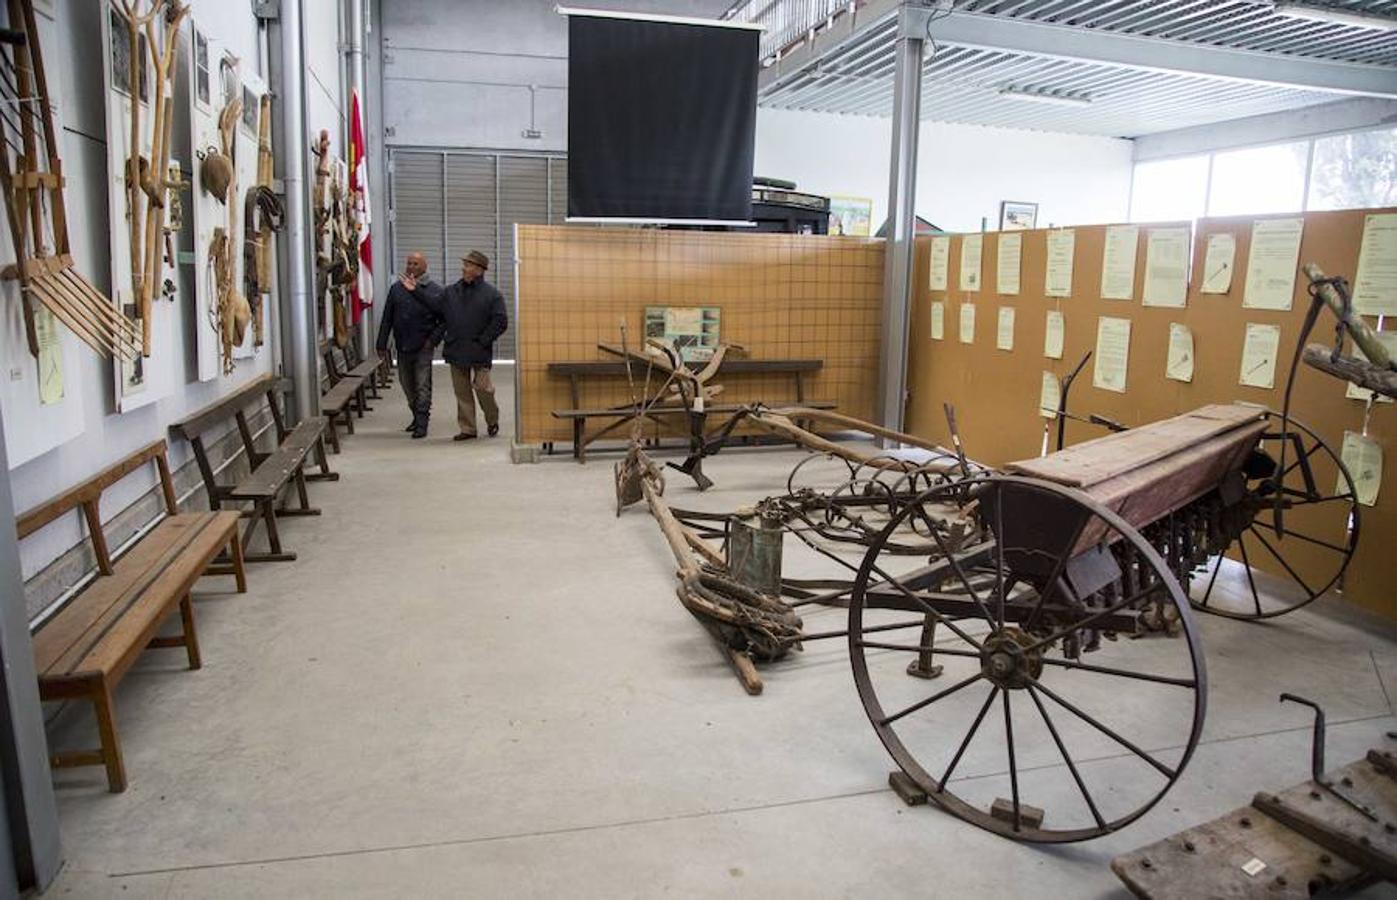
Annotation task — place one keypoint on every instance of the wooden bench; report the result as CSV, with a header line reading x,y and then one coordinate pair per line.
x,y
575,372
346,396
83,651
271,472
376,371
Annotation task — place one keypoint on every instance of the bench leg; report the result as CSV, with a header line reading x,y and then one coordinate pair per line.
x,y
235,547
264,513
191,638
324,462
111,743
361,400
305,509
348,414
334,434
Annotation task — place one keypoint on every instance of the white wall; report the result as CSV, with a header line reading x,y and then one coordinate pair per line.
x,y
458,73
963,171
106,435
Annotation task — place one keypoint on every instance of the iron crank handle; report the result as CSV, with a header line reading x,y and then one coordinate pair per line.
x,y
1317,743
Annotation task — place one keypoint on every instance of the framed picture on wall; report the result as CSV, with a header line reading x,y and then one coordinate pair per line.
x,y
1015,215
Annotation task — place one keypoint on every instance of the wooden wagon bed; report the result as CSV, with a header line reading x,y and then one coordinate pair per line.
x,y
1148,472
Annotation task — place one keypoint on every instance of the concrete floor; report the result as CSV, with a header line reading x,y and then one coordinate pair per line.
x,y
476,681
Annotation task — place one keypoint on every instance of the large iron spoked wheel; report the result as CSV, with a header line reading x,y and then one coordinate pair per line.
x,y
1307,551
1040,699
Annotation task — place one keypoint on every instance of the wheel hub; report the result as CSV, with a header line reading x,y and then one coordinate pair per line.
x,y
1007,662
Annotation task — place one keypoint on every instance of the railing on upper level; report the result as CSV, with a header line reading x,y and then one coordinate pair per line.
x,y
789,23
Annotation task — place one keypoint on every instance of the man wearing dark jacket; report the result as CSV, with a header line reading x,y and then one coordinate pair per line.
x,y
475,318
412,316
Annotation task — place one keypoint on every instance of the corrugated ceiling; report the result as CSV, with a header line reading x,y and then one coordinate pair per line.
x,y
963,84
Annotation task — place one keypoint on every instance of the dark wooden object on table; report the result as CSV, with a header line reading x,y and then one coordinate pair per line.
x,y
83,651
272,471
575,372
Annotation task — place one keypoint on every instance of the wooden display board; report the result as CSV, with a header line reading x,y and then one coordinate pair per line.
x,y
996,392
781,297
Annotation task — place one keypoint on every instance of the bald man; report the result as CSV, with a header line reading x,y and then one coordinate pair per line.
x,y
412,317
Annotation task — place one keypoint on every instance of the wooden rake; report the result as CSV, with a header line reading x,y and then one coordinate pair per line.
x,y
33,186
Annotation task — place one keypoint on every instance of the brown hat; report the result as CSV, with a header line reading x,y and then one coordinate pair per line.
x,y
480,259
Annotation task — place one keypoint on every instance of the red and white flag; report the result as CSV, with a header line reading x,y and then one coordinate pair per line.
x,y
362,293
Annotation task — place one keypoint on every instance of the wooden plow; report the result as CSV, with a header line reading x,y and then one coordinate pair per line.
x,y
31,175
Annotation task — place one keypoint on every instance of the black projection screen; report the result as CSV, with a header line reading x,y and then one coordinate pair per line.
x,y
661,119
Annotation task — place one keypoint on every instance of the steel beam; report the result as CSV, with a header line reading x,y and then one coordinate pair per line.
x,y
1151,54
1353,114
902,198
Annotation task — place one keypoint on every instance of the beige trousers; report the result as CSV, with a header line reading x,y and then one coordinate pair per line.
x,y
470,383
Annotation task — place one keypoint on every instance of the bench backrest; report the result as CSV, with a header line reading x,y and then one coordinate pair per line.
x,y
263,386
88,496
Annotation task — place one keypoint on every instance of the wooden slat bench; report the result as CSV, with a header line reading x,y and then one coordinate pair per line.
x,y
346,395
376,371
83,651
575,372
271,472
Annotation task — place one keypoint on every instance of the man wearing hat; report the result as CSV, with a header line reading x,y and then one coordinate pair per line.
x,y
475,318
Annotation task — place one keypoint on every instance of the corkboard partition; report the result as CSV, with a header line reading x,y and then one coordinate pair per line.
x,y
782,297
996,392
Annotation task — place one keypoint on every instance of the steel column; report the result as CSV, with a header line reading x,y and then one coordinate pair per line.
x,y
902,194
31,813
297,251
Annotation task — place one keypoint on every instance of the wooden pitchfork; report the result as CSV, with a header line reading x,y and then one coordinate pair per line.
x,y
157,186
135,175
33,188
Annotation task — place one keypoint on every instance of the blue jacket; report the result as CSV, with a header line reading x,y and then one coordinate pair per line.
x,y
475,318
411,317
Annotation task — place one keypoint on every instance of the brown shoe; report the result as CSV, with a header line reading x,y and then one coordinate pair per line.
x,y
464,437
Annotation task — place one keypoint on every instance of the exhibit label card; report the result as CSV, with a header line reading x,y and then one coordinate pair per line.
x,y
1112,354
967,323
1218,263
938,320
50,356
1004,340
1166,267
1259,351
1375,286
1272,263
1062,244
1053,337
1050,397
1009,263
972,250
1389,340
1362,457
1179,365
1118,262
940,257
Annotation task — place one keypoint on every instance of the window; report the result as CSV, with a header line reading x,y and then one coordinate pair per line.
x,y
1259,180
1170,190
1354,170
1345,171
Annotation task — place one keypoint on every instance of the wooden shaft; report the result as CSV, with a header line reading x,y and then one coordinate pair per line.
x,y
1363,334
133,165
1350,368
92,513
57,210
86,332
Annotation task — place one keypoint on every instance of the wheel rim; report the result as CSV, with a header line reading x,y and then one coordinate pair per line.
x,y
1314,513
1008,635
